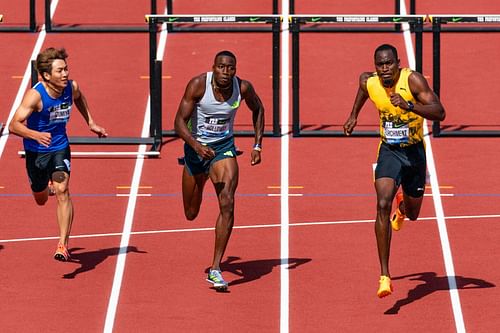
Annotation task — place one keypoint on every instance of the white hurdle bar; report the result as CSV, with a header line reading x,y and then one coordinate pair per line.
x,y
22,153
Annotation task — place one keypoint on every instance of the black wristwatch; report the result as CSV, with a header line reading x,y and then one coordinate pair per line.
x,y
410,105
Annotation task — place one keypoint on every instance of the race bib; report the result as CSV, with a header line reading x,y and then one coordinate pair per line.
x,y
215,127
60,113
396,134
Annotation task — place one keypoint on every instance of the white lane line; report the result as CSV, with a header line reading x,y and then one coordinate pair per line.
x,y
438,206
246,227
285,129
26,79
129,217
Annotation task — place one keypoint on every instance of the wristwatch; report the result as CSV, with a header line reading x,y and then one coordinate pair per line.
x,y
410,105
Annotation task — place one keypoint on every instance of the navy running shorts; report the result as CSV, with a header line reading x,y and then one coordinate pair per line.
x,y
196,165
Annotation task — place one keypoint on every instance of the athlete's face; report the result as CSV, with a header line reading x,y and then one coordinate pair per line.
x,y
387,67
224,69
59,75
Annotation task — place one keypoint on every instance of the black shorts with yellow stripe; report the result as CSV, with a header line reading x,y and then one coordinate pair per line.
x,y
406,165
196,165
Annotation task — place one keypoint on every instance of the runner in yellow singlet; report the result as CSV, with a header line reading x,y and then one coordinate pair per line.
x,y
403,99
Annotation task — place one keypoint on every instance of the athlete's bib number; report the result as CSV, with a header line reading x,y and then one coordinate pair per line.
x,y
215,127
60,113
396,134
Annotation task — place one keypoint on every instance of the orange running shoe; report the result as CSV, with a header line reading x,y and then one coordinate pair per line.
x,y
398,218
385,286
62,253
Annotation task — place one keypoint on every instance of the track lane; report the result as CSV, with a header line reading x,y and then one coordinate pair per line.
x,y
343,273
474,240
251,262
470,174
400,300
52,292
431,294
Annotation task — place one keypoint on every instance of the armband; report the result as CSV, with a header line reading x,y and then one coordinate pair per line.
x,y
257,147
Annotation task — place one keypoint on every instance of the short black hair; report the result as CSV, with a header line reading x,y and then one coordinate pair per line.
x,y
225,53
386,47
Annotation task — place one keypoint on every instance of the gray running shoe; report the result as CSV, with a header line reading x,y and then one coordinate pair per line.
x,y
215,278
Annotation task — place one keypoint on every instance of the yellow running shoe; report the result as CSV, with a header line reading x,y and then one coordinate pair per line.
x,y
385,286
397,218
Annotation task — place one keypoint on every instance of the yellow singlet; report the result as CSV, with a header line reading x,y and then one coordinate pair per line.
x,y
397,126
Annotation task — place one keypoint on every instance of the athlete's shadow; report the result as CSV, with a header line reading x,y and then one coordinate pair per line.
x,y
254,269
433,283
90,259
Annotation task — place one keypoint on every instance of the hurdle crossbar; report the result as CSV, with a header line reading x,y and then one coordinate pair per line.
x,y
466,23
397,7
437,29
50,26
23,28
331,28
106,154
117,140
198,28
298,21
93,140
156,71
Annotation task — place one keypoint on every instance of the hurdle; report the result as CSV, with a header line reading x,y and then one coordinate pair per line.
x,y
156,69
31,27
462,23
154,139
352,21
50,26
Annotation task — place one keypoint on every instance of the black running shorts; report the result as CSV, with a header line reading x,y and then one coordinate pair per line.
x,y
406,165
41,166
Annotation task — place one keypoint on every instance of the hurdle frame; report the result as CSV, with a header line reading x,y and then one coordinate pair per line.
x,y
415,21
154,139
156,71
50,26
31,27
437,21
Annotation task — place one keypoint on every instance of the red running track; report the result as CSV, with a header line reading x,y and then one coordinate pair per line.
x,y
333,268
